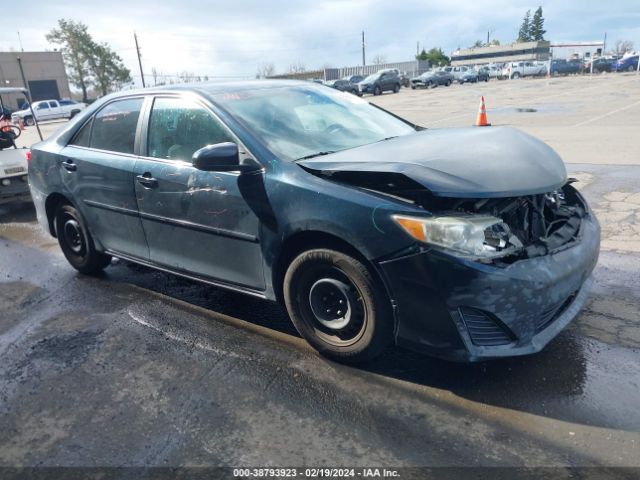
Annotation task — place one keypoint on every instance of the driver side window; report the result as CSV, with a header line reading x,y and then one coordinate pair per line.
x,y
177,128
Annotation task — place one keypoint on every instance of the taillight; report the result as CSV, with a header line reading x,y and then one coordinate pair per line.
x,y
28,155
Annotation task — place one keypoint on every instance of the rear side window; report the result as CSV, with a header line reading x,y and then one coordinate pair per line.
x,y
81,138
114,127
178,128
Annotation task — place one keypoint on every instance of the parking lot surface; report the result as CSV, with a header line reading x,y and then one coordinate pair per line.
x,y
142,368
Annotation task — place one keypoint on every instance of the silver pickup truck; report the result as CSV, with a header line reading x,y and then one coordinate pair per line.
x,y
48,110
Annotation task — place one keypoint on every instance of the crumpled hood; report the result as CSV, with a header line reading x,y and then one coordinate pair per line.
x,y
470,162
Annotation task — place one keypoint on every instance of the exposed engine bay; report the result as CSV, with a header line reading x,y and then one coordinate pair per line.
x,y
531,226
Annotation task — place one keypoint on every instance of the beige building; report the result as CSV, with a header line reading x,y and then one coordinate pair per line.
x,y
516,52
44,73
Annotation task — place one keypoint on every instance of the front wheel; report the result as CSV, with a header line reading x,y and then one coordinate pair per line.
x,y
76,242
377,91
338,305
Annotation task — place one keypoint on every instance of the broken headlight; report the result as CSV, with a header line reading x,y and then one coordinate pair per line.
x,y
477,236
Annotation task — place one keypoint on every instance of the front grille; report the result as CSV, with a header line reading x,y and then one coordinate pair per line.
x,y
551,314
484,330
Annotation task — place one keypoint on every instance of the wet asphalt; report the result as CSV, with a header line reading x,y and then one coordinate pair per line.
x,y
142,368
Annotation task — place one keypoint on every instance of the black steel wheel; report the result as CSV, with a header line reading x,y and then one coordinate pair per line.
x,y
76,242
338,305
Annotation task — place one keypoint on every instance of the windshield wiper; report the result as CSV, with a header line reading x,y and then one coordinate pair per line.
x,y
318,154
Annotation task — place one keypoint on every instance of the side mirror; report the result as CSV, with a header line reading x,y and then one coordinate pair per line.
x,y
221,157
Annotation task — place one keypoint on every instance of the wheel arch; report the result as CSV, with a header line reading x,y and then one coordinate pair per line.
x,y
299,242
51,204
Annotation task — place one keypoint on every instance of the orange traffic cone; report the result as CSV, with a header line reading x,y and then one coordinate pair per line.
x,y
481,120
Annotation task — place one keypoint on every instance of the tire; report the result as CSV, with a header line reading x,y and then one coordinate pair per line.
x,y
377,90
396,88
448,84
413,87
516,75
630,68
76,242
363,331
73,113
28,121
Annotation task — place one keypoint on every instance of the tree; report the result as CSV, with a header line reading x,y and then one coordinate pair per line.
x,y
265,70
297,67
88,62
72,37
379,60
495,42
106,67
435,56
623,46
536,27
477,44
524,34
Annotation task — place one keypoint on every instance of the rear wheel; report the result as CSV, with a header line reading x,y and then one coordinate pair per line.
x,y
515,75
76,242
338,305
29,121
396,89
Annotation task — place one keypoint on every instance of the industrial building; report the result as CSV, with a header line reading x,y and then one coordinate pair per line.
x,y
44,74
516,52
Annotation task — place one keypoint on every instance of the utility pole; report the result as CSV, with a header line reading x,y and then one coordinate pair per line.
x,y
29,99
604,44
20,41
487,38
135,37
418,48
363,59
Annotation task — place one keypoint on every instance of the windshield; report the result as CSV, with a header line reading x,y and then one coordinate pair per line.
x,y
371,78
303,121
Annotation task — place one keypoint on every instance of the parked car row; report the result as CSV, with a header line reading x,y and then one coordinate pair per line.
x,y
392,80
389,80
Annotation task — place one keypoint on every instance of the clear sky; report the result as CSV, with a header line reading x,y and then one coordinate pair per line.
x,y
231,38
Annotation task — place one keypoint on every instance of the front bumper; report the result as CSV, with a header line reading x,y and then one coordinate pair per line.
x,y
468,311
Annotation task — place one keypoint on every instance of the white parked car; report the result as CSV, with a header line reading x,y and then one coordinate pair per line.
x,y
48,110
523,69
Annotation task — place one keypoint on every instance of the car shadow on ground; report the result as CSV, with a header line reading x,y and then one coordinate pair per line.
x,y
544,384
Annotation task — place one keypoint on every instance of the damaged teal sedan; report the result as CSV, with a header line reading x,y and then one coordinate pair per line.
x,y
466,244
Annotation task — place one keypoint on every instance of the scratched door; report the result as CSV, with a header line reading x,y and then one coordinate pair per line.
x,y
194,221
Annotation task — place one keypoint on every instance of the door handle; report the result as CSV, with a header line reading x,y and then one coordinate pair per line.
x,y
69,165
147,181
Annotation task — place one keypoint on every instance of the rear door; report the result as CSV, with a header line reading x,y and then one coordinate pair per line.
x,y
97,168
195,221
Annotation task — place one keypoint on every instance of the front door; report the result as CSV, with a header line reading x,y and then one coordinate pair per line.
x,y
97,167
195,221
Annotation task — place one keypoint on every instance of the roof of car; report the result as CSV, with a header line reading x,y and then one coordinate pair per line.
x,y
224,87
